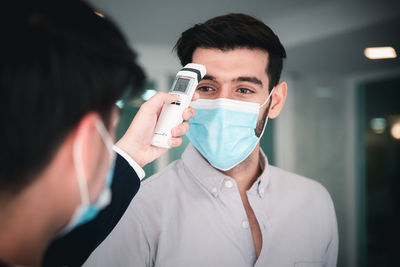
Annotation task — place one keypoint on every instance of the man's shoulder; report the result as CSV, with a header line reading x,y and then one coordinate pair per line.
x,y
158,198
162,184
163,177
297,185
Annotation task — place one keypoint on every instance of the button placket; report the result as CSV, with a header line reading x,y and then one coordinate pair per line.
x,y
261,192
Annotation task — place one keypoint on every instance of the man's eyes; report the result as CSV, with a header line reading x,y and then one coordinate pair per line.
x,y
205,89
245,91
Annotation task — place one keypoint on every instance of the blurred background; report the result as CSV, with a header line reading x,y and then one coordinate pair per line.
x,y
341,122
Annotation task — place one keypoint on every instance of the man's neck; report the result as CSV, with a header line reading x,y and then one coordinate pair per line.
x,y
25,228
247,172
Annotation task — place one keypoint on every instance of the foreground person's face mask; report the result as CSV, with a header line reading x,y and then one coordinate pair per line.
x,y
87,211
223,130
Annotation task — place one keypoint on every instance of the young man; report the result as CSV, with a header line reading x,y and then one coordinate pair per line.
x,y
222,204
62,68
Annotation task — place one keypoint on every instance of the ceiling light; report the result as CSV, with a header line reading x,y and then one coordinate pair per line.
x,y
380,52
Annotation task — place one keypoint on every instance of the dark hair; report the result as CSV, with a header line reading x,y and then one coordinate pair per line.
x,y
59,61
232,31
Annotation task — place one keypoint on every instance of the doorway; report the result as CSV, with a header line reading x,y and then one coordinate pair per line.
x,y
379,168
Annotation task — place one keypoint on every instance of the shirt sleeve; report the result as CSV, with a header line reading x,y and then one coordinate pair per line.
x,y
127,245
139,171
333,246
75,247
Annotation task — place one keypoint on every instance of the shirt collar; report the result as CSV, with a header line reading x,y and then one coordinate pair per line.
x,y
213,180
260,185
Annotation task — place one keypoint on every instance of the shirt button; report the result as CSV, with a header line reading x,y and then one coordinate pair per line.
x,y
245,224
228,184
261,192
214,190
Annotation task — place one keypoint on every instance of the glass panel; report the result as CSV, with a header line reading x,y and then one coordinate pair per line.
x,y
382,171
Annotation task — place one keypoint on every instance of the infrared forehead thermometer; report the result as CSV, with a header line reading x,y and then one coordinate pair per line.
x,y
184,85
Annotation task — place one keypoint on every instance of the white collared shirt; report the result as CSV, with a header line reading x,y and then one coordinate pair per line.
x,y
139,171
191,214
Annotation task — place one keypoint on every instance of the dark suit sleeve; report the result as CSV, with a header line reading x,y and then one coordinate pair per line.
x,y
75,247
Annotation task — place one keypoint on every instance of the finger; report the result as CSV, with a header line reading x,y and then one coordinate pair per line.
x,y
171,98
188,113
156,102
174,141
180,130
162,98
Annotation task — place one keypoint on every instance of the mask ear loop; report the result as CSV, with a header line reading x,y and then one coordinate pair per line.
x,y
77,157
105,137
108,143
269,96
265,123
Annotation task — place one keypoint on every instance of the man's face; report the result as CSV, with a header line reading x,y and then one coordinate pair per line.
x,y
238,74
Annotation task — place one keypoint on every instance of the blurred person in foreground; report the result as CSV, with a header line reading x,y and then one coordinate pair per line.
x,y
222,204
63,183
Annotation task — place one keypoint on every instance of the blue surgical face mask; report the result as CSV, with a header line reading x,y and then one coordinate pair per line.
x,y
87,211
223,130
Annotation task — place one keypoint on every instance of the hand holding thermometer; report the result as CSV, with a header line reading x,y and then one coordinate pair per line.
x,y
184,85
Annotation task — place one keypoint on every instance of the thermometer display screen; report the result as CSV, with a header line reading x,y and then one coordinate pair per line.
x,y
181,85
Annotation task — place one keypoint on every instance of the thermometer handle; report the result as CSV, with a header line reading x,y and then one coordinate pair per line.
x,y
170,116
185,84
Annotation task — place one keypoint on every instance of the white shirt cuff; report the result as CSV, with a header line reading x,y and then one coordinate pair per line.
x,y
139,171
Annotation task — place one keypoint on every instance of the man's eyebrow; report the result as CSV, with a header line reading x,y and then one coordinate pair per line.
x,y
209,77
238,79
249,79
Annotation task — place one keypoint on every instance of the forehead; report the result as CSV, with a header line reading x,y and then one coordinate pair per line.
x,y
233,63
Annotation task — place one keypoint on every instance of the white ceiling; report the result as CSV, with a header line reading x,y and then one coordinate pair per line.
x,y
320,35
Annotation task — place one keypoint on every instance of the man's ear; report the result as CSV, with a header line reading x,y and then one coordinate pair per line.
x,y
93,153
278,100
